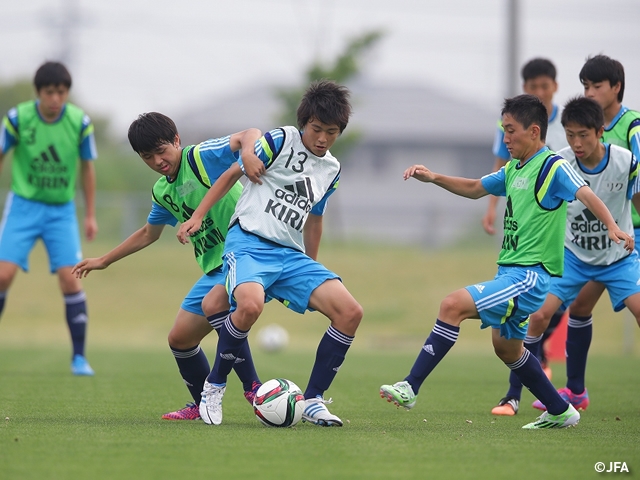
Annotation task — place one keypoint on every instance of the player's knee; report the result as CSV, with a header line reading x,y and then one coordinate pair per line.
x,y
507,355
247,313
177,339
213,304
450,309
349,319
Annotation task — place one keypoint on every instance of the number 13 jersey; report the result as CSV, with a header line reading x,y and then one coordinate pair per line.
x,y
296,183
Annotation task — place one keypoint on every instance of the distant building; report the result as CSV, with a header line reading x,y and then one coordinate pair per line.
x,y
400,126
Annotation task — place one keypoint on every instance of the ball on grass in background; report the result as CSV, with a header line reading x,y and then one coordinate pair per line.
x,y
272,338
279,403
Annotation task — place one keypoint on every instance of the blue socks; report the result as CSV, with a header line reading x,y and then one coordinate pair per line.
x,y
329,357
442,338
230,344
579,334
3,296
194,368
534,345
76,314
530,373
243,366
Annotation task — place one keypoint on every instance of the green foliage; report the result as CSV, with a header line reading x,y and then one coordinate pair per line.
x,y
342,69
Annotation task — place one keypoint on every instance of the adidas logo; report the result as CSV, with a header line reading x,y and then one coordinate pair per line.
x,y
520,183
638,282
227,356
81,318
478,287
429,349
299,195
335,369
187,383
239,360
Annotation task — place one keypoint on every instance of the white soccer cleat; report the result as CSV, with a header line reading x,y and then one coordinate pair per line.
x,y
569,418
317,413
211,403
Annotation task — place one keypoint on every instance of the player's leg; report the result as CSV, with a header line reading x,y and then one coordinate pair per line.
x,y
332,299
523,363
215,306
61,239
184,340
555,320
579,334
21,226
231,339
75,303
538,322
455,308
621,279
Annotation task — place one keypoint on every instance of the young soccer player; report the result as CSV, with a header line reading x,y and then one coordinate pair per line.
x,y
538,184
48,136
612,173
539,79
273,244
604,81
187,174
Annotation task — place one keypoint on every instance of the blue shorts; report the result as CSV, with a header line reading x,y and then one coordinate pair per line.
x,y
25,221
637,238
286,274
621,278
507,301
193,301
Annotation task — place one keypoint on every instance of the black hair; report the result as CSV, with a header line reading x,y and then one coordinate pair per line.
x,y
600,68
538,67
327,102
583,111
528,110
151,130
51,73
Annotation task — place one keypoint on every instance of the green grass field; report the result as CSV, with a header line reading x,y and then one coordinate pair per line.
x,y
56,426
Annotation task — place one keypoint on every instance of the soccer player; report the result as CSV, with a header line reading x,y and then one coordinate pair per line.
x,y
604,81
187,174
48,136
539,79
538,184
273,244
612,173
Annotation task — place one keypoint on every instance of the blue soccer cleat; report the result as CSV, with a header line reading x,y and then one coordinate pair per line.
x,y
80,366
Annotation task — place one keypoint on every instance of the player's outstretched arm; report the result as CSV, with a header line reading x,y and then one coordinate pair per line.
x,y
602,213
465,187
88,174
218,190
136,241
246,140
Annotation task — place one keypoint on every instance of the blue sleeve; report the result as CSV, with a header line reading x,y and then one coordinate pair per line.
x,y
499,148
88,150
563,186
494,183
634,137
9,131
634,185
160,216
269,146
320,207
216,156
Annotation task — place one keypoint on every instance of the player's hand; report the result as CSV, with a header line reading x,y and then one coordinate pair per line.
x,y
489,221
82,268
187,229
253,167
618,236
90,228
419,172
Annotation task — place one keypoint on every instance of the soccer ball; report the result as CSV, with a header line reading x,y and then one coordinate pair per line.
x,y
279,403
273,338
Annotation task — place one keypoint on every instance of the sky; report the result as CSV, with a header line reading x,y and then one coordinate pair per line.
x,y
131,56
